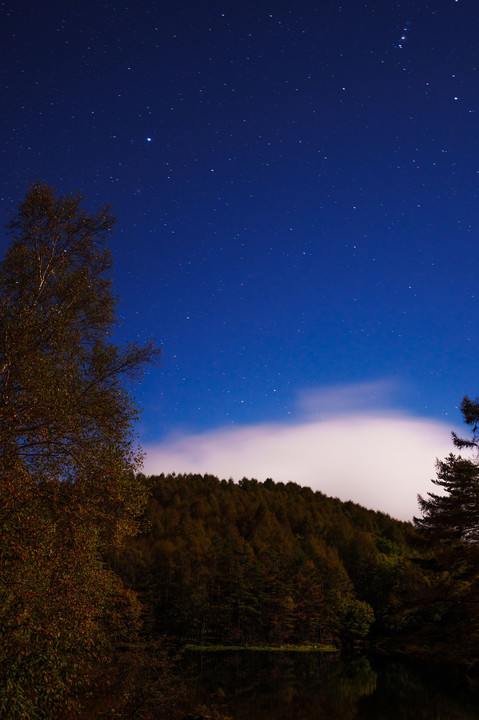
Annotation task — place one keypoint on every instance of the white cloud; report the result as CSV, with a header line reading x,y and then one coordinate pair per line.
x,y
381,460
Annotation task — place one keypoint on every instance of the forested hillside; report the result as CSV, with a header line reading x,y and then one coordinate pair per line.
x,y
269,563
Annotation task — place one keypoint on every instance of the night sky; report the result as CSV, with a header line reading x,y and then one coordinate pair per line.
x,y
296,186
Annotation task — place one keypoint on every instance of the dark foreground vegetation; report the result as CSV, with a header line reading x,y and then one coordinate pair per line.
x,y
104,573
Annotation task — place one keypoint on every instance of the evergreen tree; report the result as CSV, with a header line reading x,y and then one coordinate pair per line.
x,y
68,460
448,606
454,515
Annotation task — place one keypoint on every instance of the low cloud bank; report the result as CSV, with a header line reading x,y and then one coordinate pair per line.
x,y
379,459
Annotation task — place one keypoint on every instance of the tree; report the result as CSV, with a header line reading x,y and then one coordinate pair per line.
x,y
448,609
68,458
455,514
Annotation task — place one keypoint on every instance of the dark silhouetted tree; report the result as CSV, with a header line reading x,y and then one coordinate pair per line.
x,y
454,514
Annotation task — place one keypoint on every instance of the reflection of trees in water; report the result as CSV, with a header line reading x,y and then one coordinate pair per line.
x,y
283,686
287,686
421,691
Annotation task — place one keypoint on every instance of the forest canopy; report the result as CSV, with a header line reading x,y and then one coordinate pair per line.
x,y
266,562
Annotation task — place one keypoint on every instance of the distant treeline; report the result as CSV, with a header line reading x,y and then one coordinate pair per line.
x,y
254,562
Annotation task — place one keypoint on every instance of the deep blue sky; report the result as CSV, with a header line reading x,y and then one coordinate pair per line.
x,y
296,186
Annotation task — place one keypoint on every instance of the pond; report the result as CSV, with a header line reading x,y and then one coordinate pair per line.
x,y
252,685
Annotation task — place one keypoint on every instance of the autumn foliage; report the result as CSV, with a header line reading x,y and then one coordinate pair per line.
x,y
68,460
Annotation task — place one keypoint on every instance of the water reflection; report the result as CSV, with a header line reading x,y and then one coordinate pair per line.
x,y
293,686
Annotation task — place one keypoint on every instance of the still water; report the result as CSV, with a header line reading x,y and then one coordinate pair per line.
x,y
319,686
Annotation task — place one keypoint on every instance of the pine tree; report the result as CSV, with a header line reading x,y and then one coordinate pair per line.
x,y
454,515
68,459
